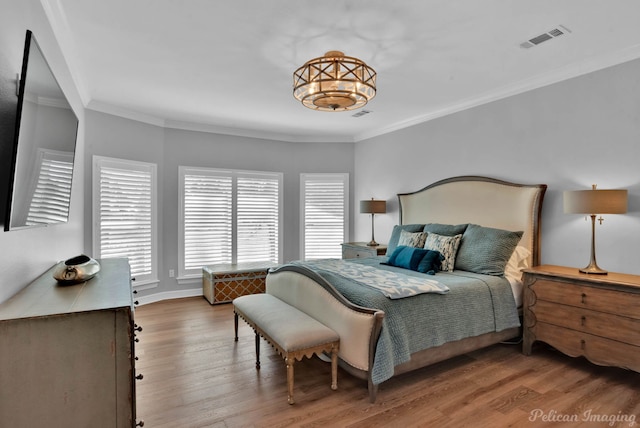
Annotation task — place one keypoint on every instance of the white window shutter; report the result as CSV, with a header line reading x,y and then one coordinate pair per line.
x,y
208,219
258,218
324,214
126,214
228,216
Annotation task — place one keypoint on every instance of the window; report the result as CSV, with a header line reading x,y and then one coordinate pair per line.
x,y
228,216
325,214
125,213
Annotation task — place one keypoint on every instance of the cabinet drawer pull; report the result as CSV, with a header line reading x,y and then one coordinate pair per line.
x,y
582,344
583,320
140,423
584,298
139,377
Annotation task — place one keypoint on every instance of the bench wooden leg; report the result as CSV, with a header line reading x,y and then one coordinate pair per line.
x,y
290,361
334,369
235,320
257,351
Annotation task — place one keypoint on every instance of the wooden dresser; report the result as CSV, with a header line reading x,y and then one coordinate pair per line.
x,y
67,352
595,316
355,250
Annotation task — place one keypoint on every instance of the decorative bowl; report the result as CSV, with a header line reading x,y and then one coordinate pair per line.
x,y
76,269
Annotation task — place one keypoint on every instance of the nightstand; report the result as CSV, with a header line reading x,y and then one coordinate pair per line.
x,y
359,250
595,316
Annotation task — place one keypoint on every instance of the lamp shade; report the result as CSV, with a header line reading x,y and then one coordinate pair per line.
x,y
595,201
373,207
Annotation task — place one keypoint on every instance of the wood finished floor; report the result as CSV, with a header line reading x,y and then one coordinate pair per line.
x,y
195,375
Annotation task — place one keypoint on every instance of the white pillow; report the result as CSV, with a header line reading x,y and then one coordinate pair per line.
x,y
519,260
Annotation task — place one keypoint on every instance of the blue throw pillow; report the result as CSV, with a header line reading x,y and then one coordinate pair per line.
x,y
431,262
407,257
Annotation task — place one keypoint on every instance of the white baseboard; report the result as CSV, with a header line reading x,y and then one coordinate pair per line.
x,y
179,294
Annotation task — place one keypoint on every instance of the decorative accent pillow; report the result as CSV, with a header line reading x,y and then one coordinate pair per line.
x,y
431,262
486,250
445,229
447,246
406,257
415,239
395,235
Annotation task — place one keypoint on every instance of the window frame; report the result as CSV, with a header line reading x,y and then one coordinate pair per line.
x,y
141,281
186,274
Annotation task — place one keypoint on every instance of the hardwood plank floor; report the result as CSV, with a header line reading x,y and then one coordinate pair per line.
x,y
195,375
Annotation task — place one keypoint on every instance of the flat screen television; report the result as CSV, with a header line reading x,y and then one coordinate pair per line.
x,y
41,171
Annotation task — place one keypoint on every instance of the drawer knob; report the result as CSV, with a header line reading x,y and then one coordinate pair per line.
x,y
584,298
582,344
139,377
583,320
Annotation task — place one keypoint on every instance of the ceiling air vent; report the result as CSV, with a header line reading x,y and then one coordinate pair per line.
x,y
556,32
361,113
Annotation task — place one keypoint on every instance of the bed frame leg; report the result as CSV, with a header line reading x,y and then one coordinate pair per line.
x,y
373,391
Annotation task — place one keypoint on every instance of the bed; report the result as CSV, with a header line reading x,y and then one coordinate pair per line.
x,y
467,305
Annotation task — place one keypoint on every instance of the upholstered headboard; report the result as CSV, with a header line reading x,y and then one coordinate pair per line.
x,y
481,200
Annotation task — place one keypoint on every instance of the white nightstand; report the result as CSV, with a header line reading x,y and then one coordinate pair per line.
x,y
359,250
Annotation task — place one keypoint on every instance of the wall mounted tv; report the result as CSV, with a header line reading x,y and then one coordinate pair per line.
x,y
39,191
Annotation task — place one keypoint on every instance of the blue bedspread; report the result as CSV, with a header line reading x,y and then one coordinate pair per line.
x,y
476,304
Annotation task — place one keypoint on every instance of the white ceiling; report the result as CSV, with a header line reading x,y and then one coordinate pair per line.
x,y
226,65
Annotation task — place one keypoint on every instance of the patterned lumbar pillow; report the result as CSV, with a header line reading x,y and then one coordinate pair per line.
x,y
415,239
447,246
395,235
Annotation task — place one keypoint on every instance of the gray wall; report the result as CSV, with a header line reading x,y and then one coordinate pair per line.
x,y
28,253
113,136
568,135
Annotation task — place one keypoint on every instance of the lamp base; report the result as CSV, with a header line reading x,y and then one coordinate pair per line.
x,y
372,243
593,269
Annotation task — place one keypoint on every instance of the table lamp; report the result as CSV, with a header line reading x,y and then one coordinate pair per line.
x,y
373,207
595,202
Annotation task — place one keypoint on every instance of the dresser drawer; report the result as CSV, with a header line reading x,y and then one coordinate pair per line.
x,y
615,327
597,299
596,349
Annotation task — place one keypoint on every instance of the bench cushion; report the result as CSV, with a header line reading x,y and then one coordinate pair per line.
x,y
291,328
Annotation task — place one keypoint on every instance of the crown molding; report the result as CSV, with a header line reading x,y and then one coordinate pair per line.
x,y
554,76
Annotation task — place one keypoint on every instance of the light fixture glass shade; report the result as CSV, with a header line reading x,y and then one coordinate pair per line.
x,y
373,207
334,82
595,201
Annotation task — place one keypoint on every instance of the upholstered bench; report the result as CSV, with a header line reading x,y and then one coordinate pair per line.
x,y
290,331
